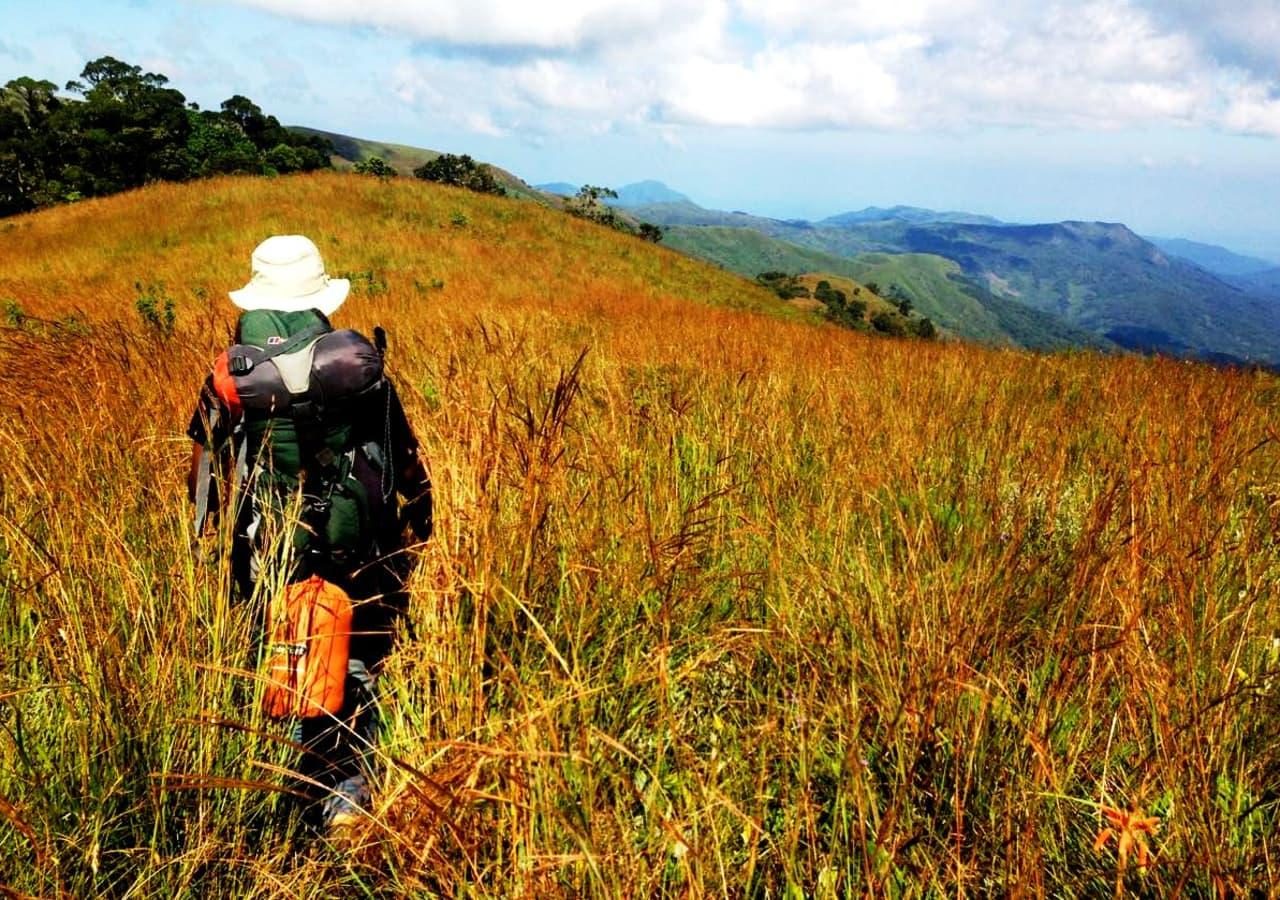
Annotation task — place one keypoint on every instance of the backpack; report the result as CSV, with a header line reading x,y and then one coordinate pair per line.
x,y
299,389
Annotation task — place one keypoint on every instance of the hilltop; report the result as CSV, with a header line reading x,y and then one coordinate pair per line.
x,y
451,246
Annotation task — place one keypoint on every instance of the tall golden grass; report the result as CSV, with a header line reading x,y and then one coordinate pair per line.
x,y
721,601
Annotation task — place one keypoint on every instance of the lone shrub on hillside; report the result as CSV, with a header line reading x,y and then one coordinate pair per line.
x,y
589,203
14,316
376,166
829,295
155,308
650,232
887,323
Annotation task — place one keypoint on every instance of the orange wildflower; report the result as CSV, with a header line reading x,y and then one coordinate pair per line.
x,y
1131,830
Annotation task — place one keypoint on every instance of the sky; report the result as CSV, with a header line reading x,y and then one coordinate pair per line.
x,y
1162,114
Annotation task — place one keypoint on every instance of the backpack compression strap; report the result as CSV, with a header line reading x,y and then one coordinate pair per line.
x,y
241,365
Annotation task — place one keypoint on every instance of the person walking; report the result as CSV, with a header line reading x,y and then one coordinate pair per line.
x,y
299,434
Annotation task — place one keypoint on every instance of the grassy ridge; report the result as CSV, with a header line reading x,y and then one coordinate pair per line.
x,y
739,605
405,159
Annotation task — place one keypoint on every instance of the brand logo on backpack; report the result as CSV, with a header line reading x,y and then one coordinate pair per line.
x,y
275,340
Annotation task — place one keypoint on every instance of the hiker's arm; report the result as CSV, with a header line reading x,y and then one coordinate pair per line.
x,y
417,511
193,471
209,433
413,482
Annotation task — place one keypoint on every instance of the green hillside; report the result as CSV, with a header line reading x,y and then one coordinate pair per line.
x,y
940,291
936,286
1106,279
748,251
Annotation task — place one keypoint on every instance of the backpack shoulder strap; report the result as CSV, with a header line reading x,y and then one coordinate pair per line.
x,y
204,479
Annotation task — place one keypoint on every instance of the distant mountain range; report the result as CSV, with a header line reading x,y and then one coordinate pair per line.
x,y
1218,260
1094,278
914,214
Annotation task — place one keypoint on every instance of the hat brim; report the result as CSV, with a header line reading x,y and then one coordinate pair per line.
x,y
327,299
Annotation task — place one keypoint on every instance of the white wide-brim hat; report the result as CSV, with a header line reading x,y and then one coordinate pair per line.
x,y
288,276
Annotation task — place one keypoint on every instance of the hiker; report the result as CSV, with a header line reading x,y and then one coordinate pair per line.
x,y
306,420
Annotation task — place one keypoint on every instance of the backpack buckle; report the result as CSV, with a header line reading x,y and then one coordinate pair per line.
x,y
239,365
315,514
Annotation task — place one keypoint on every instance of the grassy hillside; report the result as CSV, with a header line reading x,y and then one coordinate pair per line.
x,y
749,252
742,605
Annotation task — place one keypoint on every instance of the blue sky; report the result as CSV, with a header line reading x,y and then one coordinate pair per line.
x,y
1163,114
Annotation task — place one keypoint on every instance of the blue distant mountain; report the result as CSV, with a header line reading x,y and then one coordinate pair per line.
x,y
1266,282
914,215
640,193
563,188
1212,258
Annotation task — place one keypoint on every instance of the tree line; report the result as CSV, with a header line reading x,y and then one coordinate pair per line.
x,y
118,127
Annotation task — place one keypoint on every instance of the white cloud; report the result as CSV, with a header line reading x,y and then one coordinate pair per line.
x,y
799,86
500,66
861,18
562,25
1254,111
1243,33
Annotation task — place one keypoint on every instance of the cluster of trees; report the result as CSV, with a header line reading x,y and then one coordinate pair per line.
x,y
788,287
850,311
121,127
460,171
887,323
447,168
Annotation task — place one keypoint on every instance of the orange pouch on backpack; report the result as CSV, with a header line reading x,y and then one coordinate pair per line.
x,y
309,643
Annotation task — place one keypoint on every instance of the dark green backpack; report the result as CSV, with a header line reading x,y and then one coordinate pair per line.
x,y
301,389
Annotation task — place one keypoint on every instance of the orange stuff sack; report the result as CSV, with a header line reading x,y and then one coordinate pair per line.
x,y
310,641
